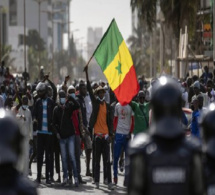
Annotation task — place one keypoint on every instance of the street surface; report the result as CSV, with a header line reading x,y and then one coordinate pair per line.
x,y
89,188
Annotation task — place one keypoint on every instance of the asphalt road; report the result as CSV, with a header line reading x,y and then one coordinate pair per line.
x,y
89,188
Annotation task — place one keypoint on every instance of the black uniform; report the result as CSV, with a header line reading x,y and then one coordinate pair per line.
x,y
209,173
208,132
162,165
165,162
11,181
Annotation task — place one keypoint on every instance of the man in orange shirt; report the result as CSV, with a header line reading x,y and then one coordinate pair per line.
x,y
101,123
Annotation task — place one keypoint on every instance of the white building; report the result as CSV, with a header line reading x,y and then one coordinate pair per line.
x,y
12,24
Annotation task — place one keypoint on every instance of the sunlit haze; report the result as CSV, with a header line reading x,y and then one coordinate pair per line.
x,y
99,13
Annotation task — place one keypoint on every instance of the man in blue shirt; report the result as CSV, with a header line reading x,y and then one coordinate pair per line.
x,y
195,118
42,116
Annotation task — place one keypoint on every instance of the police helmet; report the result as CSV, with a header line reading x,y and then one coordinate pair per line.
x,y
166,98
10,139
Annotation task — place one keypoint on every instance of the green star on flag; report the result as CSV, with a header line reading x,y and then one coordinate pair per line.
x,y
119,68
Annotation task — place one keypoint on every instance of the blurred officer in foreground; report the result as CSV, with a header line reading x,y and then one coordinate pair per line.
x,y
165,162
11,181
208,132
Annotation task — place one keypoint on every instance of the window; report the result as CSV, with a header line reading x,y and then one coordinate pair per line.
x,y
13,12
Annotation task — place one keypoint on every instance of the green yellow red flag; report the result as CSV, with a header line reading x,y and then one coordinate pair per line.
x,y
115,60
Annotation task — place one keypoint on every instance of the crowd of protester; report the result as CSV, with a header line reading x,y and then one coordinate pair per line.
x,y
57,121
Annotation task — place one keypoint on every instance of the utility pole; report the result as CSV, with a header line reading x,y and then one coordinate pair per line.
x,y
151,53
68,26
39,7
24,39
0,34
161,48
52,44
24,35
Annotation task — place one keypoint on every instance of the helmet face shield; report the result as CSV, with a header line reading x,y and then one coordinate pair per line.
x,y
166,98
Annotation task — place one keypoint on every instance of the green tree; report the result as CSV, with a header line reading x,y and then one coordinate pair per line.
x,y
139,48
36,47
177,13
72,50
6,57
35,41
62,60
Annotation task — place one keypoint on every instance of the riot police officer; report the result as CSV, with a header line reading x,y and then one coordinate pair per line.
x,y
165,162
11,181
208,132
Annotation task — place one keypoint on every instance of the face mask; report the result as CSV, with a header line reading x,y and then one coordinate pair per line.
x,y
24,106
101,99
62,100
72,95
11,85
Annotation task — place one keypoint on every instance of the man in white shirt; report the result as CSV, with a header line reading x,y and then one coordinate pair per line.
x,y
25,120
123,124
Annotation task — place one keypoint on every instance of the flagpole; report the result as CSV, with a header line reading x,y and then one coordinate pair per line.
x,y
88,63
98,45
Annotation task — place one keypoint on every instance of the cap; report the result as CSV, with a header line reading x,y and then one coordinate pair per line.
x,y
141,94
100,88
70,87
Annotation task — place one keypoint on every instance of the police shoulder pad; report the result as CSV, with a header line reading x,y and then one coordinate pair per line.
x,y
139,143
194,143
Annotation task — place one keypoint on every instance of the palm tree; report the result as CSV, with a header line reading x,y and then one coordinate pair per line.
x,y
146,10
139,47
177,13
36,45
6,50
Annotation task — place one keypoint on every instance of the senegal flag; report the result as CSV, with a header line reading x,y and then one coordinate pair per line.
x,y
116,63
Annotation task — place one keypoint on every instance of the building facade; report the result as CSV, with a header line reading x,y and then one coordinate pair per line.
x,y
93,39
38,17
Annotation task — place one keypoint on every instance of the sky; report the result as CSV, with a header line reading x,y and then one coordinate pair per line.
x,y
99,13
